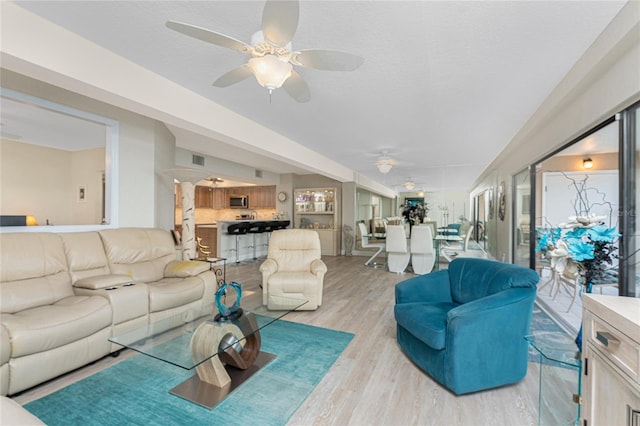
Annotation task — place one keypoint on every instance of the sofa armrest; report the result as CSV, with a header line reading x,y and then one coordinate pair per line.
x,y
185,268
433,287
102,281
318,266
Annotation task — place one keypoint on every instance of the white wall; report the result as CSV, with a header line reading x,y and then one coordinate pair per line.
x,y
603,82
142,146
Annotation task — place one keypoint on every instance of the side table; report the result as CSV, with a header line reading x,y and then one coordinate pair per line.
x,y
219,267
560,378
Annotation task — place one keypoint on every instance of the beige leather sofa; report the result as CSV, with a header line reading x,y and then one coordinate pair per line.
x,y
63,295
293,270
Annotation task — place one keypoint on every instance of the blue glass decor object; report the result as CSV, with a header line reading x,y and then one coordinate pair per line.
x,y
228,312
578,340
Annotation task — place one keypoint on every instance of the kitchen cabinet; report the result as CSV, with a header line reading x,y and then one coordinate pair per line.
x,y
262,197
611,360
203,197
219,198
317,208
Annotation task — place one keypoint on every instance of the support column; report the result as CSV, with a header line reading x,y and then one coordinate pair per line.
x,y
188,220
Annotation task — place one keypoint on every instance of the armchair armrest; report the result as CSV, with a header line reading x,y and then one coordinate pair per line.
x,y
268,267
318,266
433,287
185,268
493,305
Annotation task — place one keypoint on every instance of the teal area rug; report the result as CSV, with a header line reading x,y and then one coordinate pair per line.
x,y
136,391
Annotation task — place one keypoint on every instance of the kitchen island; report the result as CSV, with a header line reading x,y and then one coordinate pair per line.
x,y
247,242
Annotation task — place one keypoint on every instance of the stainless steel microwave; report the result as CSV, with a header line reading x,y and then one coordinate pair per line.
x,y
239,201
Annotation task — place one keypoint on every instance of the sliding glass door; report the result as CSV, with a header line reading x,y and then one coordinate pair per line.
x,y
629,202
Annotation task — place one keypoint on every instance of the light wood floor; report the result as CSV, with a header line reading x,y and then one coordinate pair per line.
x,y
373,382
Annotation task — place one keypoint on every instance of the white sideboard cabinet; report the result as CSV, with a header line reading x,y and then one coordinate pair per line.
x,y
611,360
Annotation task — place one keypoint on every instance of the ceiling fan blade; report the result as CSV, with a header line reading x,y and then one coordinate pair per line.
x,y
297,88
234,76
209,36
329,60
280,21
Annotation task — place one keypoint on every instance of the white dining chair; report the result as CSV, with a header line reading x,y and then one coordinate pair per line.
x,y
423,255
451,252
364,236
397,253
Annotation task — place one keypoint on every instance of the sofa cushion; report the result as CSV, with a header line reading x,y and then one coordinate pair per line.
x,y
185,268
426,321
294,249
47,327
295,282
85,254
173,292
33,271
5,345
472,279
141,253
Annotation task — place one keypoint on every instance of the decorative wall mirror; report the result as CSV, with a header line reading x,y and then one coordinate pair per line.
x,y
59,164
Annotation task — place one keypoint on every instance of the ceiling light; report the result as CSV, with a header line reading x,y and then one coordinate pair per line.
x,y
384,165
587,163
409,185
270,71
421,193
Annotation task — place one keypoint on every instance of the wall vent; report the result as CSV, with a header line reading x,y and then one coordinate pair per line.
x,y
197,160
258,173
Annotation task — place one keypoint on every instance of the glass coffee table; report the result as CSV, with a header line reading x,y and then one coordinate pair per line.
x,y
224,351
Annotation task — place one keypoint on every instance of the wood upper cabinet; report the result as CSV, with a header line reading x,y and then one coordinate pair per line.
x,y
203,197
262,197
220,199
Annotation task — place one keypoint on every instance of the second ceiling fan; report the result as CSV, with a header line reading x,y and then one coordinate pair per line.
x,y
272,56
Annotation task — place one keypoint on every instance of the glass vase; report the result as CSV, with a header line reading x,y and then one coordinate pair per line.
x,y
588,289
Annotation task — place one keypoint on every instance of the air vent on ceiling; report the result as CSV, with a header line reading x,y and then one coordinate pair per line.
x,y
197,160
258,173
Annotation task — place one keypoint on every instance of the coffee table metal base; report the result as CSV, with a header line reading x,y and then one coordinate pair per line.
x,y
208,395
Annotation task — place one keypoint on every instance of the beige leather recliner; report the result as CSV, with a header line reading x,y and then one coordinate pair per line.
x,y
63,295
51,329
293,269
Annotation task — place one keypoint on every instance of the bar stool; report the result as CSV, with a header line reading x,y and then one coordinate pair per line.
x,y
238,229
272,225
256,228
284,224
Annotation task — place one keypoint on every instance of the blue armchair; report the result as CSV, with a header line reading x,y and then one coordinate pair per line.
x,y
465,326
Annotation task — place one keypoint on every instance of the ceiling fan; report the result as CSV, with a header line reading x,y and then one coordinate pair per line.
x,y
272,56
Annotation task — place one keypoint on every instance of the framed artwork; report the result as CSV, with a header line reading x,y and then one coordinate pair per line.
x,y
82,193
502,204
410,202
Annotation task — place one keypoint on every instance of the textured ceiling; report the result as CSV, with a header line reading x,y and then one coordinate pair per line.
x,y
444,86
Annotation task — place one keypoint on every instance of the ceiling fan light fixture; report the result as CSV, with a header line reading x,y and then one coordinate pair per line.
x,y
270,71
384,165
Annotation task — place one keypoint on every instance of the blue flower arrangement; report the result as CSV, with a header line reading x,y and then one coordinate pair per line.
x,y
584,241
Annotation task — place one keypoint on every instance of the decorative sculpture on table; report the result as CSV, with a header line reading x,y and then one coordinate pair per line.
x,y
225,312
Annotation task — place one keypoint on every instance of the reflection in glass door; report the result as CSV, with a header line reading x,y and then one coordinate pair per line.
x,y
580,180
